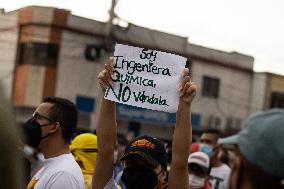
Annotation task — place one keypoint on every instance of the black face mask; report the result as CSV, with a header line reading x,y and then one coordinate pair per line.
x,y
32,133
139,178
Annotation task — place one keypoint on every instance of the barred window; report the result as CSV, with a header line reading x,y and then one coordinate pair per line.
x,y
210,87
38,54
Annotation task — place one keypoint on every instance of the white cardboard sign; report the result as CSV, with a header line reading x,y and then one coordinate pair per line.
x,y
146,78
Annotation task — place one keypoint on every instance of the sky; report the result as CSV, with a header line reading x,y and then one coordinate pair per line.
x,y
252,27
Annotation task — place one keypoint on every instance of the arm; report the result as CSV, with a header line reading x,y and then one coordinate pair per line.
x,y
106,133
178,176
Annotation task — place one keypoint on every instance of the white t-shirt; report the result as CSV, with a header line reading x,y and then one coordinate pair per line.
x,y
220,177
58,173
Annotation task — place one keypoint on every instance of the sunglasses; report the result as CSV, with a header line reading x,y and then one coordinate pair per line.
x,y
38,116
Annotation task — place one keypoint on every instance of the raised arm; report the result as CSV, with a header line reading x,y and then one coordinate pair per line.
x,y
178,176
106,133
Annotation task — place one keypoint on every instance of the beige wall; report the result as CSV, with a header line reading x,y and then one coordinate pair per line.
x,y
277,83
234,93
77,76
259,92
8,49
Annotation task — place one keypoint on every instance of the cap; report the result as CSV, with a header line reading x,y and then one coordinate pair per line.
x,y
229,140
199,158
152,149
261,141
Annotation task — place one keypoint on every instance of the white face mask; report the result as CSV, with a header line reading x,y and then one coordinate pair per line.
x,y
196,182
28,151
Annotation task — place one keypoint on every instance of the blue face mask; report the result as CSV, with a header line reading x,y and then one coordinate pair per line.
x,y
207,149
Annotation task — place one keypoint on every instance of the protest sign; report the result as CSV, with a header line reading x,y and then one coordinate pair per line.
x,y
146,78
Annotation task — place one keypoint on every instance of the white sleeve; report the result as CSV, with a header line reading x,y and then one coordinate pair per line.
x,y
62,180
111,184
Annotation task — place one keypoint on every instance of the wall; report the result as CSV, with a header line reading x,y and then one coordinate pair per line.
x,y
259,92
234,93
8,49
277,83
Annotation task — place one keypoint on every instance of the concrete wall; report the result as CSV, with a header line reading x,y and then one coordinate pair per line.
x,y
234,94
76,75
8,49
277,83
259,92
232,59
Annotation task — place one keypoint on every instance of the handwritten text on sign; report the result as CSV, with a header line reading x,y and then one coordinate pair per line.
x,y
146,78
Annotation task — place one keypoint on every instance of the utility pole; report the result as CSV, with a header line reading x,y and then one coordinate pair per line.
x,y
112,15
108,41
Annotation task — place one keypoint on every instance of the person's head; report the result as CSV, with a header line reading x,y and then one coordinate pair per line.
x,y
261,159
54,119
209,139
199,169
145,163
84,148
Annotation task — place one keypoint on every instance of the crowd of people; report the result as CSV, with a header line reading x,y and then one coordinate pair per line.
x,y
58,158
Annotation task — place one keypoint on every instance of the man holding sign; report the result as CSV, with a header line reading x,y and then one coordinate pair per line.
x,y
145,158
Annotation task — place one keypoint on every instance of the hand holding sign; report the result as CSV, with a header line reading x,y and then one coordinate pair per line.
x,y
144,78
105,76
187,89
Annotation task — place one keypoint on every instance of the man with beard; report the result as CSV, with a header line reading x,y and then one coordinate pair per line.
x,y
145,157
50,129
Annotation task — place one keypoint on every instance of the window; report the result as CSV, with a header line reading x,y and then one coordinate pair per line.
x,y
277,100
214,122
38,53
233,123
210,87
238,123
229,123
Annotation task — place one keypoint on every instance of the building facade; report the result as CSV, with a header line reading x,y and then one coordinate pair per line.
x,y
268,91
49,51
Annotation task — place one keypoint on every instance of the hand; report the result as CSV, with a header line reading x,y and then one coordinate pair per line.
x,y
105,76
187,89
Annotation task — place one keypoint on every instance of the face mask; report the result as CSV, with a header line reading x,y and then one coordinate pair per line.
x,y
32,133
28,151
139,178
196,182
207,149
